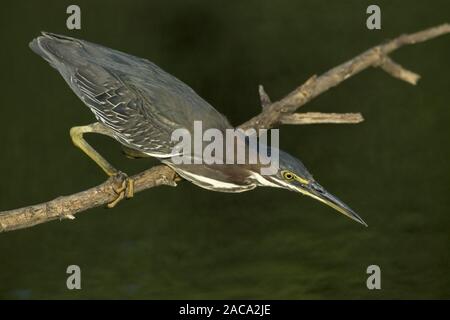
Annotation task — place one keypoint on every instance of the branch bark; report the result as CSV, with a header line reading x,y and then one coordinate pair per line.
x,y
318,117
272,114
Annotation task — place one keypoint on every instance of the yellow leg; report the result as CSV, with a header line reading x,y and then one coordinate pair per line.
x,y
126,185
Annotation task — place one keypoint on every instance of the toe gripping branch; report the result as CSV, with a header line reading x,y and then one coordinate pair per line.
x,y
123,187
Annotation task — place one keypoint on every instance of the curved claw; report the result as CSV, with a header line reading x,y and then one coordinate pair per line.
x,y
125,189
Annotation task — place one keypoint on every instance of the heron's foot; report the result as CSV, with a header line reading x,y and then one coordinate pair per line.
x,y
124,188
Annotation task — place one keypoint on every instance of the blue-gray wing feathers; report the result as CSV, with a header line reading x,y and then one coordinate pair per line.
x,y
138,101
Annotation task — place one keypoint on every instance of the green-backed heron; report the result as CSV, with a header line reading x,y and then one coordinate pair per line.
x,y
140,105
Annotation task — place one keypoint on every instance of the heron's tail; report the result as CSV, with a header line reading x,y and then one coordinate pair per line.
x,y
56,49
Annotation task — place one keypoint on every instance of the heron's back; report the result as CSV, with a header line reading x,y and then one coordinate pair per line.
x,y
131,95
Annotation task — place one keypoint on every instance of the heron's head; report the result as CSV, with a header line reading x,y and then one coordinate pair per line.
x,y
293,175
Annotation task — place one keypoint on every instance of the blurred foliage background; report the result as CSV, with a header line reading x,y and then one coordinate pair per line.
x,y
186,242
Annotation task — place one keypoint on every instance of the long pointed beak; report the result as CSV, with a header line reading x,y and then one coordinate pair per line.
x,y
317,192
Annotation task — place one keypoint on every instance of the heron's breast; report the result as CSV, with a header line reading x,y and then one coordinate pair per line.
x,y
220,178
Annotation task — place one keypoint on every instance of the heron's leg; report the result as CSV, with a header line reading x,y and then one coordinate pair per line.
x,y
126,188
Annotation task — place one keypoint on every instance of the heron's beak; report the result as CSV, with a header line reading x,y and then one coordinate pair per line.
x,y
316,191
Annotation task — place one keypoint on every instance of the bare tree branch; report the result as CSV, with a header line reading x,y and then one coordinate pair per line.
x,y
67,206
272,114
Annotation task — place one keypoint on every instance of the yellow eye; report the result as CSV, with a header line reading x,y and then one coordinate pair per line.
x,y
288,175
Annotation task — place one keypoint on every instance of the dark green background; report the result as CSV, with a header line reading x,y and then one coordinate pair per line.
x,y
187,242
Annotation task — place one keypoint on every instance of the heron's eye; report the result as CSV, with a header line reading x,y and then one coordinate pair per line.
x,y
288,175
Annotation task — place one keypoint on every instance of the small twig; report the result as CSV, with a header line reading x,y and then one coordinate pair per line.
x,y
271,115
318,117
397,71
264,97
